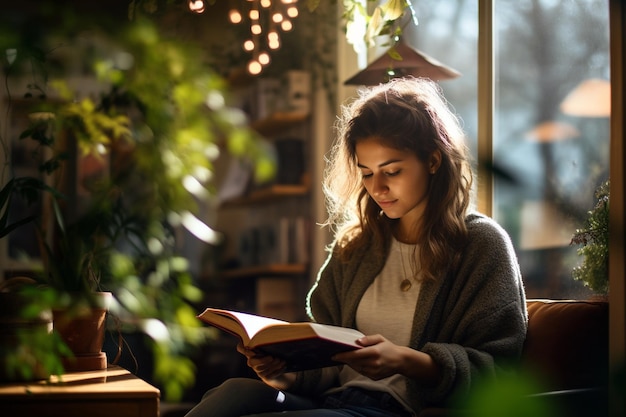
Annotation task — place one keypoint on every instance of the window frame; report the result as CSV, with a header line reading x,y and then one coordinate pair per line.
x,y
617,217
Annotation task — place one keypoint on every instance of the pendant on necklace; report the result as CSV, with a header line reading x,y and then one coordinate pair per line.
x,y
405,285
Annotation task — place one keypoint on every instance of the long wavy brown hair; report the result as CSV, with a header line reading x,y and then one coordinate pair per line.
x,y
411,115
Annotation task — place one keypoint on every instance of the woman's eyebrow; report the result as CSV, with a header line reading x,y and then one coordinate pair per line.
x,y
391,161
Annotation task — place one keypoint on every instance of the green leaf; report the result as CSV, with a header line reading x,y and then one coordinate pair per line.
x,y
394,54
312,5
374,26
393,9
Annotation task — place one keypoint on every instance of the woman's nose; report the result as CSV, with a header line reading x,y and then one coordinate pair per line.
x,y
379,185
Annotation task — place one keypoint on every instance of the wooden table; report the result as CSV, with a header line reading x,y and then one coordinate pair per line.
x,y
112,392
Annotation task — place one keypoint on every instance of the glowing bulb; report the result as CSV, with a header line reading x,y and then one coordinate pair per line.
x,y
196,6
248,45
274,44
254,67
234,16
292,11
286,25
266,3
264,58
254,14
273,41
256,29
277,17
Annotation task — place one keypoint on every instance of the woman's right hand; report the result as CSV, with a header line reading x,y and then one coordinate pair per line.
x,y
270,369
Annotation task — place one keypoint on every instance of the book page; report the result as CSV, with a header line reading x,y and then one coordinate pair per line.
x,y
251,323
340,334
300,331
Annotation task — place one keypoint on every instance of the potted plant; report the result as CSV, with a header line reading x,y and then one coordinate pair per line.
x,y
594,241
157,130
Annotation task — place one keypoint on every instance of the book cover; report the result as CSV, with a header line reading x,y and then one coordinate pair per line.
x,y
302,345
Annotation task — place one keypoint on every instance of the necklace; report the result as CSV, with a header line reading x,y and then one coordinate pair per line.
x,y
406,283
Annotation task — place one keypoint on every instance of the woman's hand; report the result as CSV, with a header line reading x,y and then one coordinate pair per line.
x,y
381,358
270,369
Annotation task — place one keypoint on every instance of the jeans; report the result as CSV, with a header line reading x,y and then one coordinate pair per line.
x,y
243,397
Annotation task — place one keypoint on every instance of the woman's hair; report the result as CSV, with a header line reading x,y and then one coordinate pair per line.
x,y
408,114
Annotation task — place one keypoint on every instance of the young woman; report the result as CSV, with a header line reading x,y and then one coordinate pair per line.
x,y
436,289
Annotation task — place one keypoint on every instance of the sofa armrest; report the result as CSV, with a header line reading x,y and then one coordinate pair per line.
x,y
566,346
584,402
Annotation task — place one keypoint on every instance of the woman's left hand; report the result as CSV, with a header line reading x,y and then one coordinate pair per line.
x,y
380,358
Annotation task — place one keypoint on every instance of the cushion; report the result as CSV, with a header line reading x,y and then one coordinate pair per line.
x,y
566,345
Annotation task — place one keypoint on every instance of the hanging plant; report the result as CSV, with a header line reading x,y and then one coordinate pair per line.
x,y
362,28
594,238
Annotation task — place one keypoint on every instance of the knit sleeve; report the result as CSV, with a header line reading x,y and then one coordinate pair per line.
x,y
323,303
481,319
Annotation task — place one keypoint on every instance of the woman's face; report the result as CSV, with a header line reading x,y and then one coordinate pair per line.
x,y
396,180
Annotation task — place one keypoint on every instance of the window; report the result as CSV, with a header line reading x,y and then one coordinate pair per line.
x,y
550,148
551,131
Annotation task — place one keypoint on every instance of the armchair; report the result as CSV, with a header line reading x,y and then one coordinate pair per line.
x,y
566,351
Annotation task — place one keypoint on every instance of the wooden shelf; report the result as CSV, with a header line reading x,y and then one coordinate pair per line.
x,y
265,270
278,122
270,193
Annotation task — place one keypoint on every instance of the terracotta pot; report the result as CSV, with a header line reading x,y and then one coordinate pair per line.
x,y
83,332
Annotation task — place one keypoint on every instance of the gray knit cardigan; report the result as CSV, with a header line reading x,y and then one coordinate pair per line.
x,y
472,321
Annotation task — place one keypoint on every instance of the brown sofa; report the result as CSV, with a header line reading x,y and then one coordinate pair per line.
x,y
566,356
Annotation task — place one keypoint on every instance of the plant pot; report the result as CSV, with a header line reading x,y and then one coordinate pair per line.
x,y
19,359
83,332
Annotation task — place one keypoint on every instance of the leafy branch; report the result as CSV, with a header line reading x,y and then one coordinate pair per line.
x,y
594,238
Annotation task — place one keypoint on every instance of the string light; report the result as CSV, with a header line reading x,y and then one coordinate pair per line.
x,y
254,67
234,16
292,12
264,58
266,19
196,6
248,45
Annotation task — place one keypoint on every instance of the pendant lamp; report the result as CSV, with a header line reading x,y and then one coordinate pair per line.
x,y
412,63
591,98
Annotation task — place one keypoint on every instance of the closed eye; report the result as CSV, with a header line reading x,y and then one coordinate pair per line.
x,y
388,174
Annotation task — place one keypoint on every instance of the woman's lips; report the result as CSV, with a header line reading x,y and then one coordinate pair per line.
x,y
386,204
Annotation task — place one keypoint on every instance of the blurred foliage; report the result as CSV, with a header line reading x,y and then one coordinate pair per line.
x,y
386,19
508,395
594,238
156,130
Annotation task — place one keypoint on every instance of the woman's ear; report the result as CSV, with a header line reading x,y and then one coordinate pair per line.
x,y
434,161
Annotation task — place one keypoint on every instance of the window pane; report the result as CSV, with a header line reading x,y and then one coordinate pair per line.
x,y
448,32
554,145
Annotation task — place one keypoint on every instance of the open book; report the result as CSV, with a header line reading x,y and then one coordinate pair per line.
x,y
302,345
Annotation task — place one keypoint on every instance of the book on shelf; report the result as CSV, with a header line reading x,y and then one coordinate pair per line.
x,y
302,345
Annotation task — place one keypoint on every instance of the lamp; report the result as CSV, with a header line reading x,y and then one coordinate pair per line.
x,y
591,98
552,131
412,63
